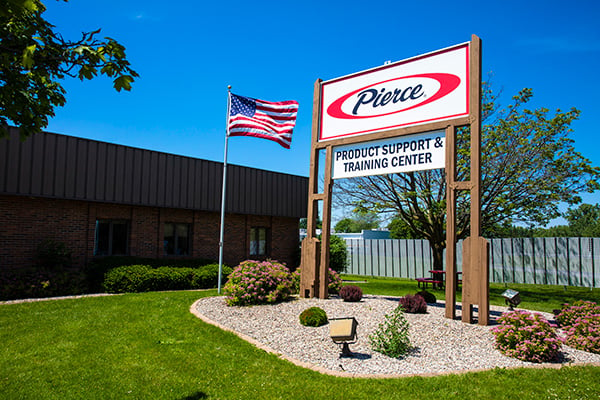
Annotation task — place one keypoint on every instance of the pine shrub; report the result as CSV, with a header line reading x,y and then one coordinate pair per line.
x,y
351,293
413,304
314,316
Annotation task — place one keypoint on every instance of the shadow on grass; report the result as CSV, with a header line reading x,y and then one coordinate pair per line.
x,y
196,396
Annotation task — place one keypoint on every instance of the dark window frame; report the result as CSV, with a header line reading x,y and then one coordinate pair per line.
x,y
176,239
254,250
108,243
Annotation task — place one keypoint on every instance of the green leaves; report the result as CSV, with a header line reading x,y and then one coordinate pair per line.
x,y
33,58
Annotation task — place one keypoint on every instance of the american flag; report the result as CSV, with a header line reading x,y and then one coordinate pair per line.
x,y
263,119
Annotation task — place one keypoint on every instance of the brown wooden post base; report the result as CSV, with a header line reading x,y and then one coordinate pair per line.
x,y
476,280
311,283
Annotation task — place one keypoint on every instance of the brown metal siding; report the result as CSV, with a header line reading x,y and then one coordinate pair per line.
x,y
59,166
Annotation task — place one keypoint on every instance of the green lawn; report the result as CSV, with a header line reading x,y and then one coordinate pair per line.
x,y
149,346
534,297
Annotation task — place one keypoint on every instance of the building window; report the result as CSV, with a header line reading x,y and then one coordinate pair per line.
x,y
258,242
111,237
177,239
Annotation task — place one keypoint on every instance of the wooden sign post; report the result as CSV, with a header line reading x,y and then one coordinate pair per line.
x,y
367,119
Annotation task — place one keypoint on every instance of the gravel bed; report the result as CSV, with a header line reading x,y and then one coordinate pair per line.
x,y
440,345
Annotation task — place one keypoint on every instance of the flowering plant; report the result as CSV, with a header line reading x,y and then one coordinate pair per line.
x,y
571,312
256,282
584,334
581,323
526,336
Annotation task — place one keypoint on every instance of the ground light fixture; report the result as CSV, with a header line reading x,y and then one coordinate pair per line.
x,y
343,331
512,298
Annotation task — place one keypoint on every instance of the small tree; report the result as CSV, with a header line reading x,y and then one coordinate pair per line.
x,y
529,167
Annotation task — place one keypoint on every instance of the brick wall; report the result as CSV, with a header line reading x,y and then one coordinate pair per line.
x,y
26,221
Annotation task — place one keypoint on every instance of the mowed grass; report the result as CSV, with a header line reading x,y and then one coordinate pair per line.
x,y
149,346
533,297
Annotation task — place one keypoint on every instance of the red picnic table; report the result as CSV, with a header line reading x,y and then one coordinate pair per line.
x,y
437,279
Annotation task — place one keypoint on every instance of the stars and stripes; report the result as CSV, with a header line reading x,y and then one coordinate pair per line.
x,y
263,119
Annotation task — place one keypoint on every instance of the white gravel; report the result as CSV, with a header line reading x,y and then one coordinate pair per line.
x,y
440,345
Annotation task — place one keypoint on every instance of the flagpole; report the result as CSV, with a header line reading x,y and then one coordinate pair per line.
x,y
224,190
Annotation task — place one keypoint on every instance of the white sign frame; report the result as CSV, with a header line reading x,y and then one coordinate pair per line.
x,y
415,152
427,88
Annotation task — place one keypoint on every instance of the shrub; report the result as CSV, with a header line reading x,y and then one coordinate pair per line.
x,y
313,316
207,276
126,279
569,313
96,270
33,282
52,254
255,282
427,296
391,336
144,278
526,336
333,287
338,254
335,281
413,304
584,334
351,293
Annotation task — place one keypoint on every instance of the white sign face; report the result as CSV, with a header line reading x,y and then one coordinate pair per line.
x,y
401,154
427,88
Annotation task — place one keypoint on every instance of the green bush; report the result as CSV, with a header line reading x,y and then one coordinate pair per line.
x,y
256,282
391,337
35,282
52,254
143,278
338,254
97,268
314,316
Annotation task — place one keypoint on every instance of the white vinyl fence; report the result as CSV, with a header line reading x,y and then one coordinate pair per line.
x,y
551,261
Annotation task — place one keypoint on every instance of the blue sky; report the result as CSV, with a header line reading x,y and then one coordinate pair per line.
x,y
187,52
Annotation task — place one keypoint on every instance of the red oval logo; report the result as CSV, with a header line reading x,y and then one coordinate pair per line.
x,y
415,96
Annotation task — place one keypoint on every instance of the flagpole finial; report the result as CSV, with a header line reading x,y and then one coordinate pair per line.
x,y
228,87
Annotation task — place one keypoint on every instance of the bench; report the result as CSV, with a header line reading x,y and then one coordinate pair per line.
x,y
425,281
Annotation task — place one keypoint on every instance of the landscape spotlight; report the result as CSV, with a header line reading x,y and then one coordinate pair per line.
x,y
343,331
512,298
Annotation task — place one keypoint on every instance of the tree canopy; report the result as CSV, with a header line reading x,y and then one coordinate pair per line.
x,y
529,167
34,58
358,222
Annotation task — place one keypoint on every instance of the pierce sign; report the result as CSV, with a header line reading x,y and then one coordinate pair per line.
x,y
427,88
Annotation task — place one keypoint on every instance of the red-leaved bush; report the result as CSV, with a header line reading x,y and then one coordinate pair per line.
x,y
413,304
351,293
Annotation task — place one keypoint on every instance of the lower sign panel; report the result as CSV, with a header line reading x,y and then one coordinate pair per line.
x,y
387,156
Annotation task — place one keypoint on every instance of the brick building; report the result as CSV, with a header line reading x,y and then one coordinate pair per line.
x,y
105,199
